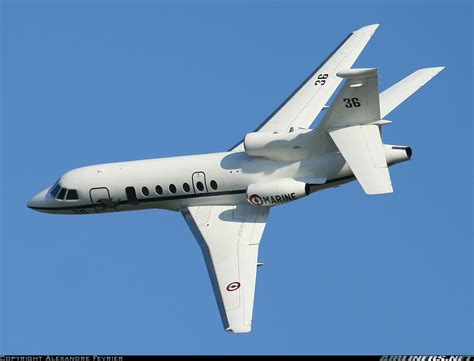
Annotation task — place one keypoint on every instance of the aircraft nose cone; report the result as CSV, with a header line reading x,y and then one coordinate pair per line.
x,y
38,200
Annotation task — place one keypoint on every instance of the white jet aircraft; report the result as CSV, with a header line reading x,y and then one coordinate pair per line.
x,y
226,197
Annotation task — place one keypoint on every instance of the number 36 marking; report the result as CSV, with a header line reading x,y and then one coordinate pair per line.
x,y
352,102
321,79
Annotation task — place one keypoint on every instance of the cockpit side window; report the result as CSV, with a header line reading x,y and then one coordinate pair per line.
x,y
62,193
72,195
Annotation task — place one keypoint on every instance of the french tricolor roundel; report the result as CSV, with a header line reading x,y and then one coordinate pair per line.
x,y
234,286
256,199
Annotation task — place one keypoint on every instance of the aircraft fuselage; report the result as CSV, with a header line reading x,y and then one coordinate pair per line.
x,y
177,182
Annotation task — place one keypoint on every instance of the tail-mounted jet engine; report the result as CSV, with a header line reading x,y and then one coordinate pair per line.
x,y
281,146
277,192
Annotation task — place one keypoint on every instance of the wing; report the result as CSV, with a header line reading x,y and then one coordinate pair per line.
x,y
302,107
229,237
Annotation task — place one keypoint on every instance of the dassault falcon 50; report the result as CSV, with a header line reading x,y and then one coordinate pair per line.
x,y
226,197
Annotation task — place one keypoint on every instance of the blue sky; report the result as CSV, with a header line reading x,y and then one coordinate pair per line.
x,y
94,82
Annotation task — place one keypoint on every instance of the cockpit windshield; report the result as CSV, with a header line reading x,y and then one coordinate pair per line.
x,y
61,193
55,189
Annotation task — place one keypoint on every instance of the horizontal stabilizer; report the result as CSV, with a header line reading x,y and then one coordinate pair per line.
x,y
362,148
398,93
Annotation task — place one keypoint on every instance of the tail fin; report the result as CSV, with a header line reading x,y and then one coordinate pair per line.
x,y
353,122
357,102
354,119
398,93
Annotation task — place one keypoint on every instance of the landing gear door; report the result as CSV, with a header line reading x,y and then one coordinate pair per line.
x,y
199,182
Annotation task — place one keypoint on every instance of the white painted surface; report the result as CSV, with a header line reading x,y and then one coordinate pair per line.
x,y
296,163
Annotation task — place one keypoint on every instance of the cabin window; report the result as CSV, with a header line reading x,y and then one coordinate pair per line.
x,y
72,195
131,195
200,186
186,187
172,188
159,190
145,191
213,184
62,193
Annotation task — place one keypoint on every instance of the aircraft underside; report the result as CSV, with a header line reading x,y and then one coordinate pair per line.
x,y
226,197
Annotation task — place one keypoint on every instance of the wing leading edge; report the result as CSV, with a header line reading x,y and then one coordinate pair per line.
x,y
229,237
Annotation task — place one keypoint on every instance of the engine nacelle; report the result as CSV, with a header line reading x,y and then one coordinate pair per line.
x,y
278,146
397,153
276,192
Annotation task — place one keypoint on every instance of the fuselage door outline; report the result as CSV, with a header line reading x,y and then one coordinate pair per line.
x,y
99,195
